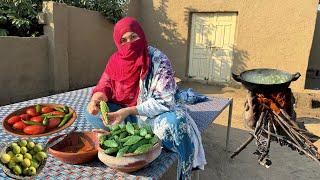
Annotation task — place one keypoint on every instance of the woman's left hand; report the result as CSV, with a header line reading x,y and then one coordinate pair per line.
x,y
118,116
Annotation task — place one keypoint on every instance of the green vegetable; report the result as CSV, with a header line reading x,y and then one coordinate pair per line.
x,y
122,151
110,143
122,126
115,127
125,139
38,108
104,110
136,132
143,149
123,135
66,109
143,132
116,132
148,128
154,140
65,119
116,137
135,125
47,114
148,136
102,139
128,138
111,150
133,147
60,109
53,116
110,137
132,140
45,121
130,128
31,122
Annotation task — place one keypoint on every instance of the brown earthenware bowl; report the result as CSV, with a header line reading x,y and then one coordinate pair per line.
x,y
9,129
130,162
76,148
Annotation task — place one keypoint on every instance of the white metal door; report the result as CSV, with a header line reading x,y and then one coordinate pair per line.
x,y
211,48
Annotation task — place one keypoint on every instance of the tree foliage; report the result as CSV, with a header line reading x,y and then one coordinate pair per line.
x,y
19,17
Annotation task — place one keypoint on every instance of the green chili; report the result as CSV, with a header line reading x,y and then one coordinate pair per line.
x,y
66,109
38,108
60,109
65,119
45,121
52,116
31,122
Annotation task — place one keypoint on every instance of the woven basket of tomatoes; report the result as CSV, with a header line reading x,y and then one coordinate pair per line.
x,y
39,120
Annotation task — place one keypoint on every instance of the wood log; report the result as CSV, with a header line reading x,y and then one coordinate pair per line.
x,y
243,146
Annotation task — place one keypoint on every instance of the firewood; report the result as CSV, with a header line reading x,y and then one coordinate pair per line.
x,y
271,117
243,146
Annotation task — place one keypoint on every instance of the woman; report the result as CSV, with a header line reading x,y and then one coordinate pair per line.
x,y
138,82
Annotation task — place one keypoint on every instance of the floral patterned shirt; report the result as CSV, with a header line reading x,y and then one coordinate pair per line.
x,y
158,88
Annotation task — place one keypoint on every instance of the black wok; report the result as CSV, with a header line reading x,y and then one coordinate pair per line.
x,y
248,81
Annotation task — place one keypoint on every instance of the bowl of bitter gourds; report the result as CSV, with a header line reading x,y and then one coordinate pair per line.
x,y
128,147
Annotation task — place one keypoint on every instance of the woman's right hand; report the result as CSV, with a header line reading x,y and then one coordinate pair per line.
x,y
93,106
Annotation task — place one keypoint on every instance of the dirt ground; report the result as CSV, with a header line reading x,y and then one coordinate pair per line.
x,y
286,164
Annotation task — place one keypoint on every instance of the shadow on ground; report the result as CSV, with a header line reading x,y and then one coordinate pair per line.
x,y
208,89
309,120
286,164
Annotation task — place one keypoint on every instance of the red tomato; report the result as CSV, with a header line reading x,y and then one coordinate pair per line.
x,y
32,112
38,119
57,113
25,116
53,123
19,125
34,129
45,110
14,119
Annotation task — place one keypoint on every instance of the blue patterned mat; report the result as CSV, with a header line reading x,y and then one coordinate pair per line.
x,y
203,113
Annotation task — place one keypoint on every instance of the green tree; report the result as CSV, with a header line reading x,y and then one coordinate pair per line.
x,y
19,17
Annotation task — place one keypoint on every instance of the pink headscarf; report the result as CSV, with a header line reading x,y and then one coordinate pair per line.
x,y
130,63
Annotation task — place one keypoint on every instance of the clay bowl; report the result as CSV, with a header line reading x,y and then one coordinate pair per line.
x,y
130,162
8,128
76,148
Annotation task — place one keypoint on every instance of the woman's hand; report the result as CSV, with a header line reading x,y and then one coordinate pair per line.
x,y
93,106
118,116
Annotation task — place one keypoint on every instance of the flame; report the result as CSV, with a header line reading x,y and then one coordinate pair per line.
x,y
279,98
275,100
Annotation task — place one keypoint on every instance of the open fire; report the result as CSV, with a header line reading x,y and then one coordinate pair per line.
x,y
274,102
271,117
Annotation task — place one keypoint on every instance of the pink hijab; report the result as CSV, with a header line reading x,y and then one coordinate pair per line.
x,y
130,63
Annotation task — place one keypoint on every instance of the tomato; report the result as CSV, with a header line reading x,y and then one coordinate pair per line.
x,y
25,116
45,110
57,113
32,112
53,123
19,125
34,129
14,119
38,119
